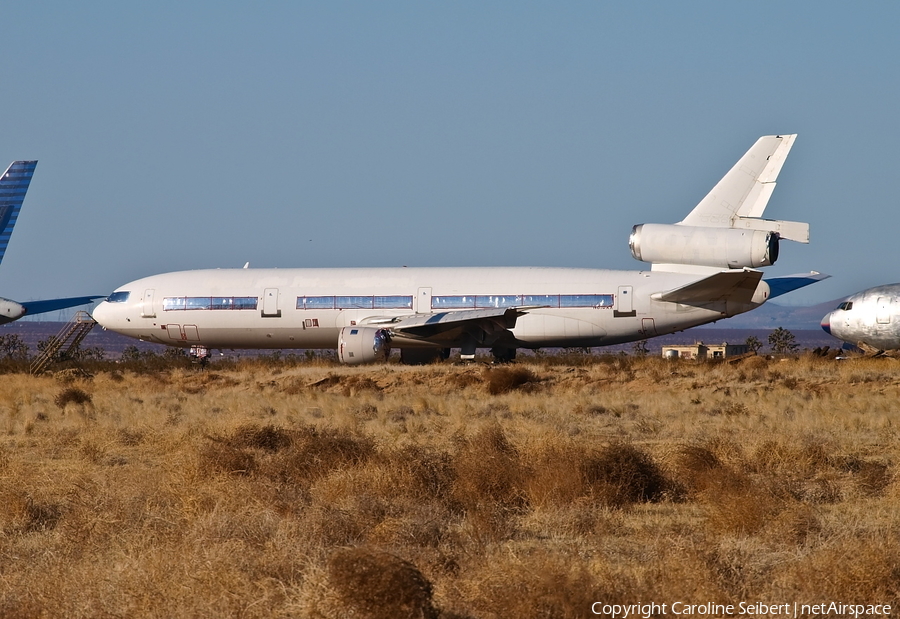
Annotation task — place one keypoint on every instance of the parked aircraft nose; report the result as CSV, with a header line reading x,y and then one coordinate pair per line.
x,y
10,310
826,323
102,314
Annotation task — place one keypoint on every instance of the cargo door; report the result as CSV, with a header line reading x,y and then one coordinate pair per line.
x,y
191,333
648,327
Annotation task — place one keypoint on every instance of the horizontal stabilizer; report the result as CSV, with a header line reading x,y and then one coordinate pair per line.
x,y
50,305
790,230
788,283
737,286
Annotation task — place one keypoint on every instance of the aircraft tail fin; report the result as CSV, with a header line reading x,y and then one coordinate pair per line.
x,y
740,198
13,185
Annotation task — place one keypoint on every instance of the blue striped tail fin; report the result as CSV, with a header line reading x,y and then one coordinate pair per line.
x,y
13,185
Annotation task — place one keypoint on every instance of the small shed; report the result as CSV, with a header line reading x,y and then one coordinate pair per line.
x,y
700,350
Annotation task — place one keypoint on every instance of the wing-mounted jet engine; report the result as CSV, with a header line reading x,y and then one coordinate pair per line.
x,y
725,230
363,345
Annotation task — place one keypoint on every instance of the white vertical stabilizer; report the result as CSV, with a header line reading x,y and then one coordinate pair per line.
x,y
744,192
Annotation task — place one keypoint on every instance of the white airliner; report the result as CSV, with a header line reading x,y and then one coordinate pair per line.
x,y
13,186
704,268
869,320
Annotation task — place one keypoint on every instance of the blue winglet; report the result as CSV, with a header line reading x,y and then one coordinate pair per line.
x,y
788,283
13,185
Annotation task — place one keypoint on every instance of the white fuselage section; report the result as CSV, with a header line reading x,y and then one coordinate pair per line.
x,y
306,308
868,318
10,311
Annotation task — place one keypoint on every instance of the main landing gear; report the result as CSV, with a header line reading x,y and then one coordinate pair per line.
x,y
503,355
199,354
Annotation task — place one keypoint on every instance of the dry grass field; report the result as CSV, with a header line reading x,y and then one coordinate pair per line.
x,y
278,489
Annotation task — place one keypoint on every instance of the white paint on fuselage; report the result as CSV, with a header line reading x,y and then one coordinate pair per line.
x,y
10,311
291,328
873,318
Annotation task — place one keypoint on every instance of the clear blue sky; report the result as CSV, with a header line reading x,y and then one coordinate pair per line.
x,y
175,135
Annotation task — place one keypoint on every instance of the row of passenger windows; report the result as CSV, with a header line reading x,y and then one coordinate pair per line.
x,y
540,300
459,302
210,303
395,302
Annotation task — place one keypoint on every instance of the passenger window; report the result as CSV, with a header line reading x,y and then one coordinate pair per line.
x,y
353,302
317,303
245,303
454,302
399,302
488,301
173,303
586,300
541,300
197,303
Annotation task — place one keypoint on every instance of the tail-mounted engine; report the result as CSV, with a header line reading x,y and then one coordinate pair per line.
x,y
725,248
363,345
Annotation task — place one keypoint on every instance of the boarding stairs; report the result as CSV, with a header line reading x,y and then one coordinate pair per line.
x,y
64,342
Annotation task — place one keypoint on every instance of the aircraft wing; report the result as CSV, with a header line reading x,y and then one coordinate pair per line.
x,y
787,283
447,325
50,305
735,285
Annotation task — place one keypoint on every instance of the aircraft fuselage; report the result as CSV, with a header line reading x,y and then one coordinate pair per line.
x,y
870,318
307,308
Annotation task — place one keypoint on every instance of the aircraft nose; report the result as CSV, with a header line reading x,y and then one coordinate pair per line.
x,y
101,314
826,323
10,310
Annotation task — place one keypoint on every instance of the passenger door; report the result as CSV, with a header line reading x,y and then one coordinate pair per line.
x,y
423,301
270,304
147,310
883,315
624,306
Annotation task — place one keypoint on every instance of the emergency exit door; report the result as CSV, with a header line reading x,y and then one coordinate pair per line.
x,y
624,303
270,304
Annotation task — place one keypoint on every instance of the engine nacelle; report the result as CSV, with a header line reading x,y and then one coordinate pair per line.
x,y
712,247
363,345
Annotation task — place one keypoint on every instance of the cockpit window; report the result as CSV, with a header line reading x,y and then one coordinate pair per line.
x,y
118,297
846,306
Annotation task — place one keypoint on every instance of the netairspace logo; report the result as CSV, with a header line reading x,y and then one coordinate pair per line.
x,y
753,609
